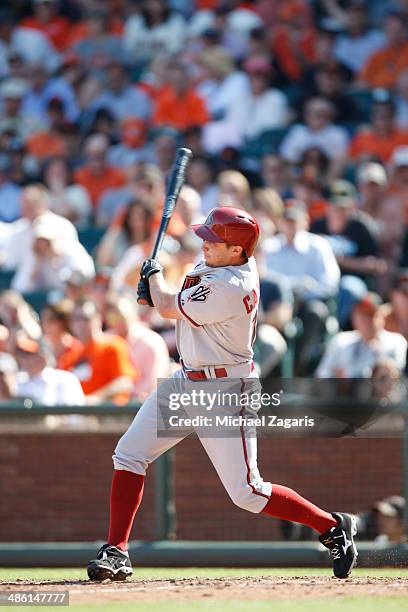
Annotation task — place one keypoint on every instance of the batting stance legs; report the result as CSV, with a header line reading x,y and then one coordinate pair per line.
x,y
235,460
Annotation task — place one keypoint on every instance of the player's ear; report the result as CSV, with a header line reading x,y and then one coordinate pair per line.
x,y
239,251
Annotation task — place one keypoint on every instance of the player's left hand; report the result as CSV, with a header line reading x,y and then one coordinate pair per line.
x,y
150,267
143,293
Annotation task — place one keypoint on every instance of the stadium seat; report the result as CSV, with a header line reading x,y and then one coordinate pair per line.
x,y
5,279
90,237
267,142
37,299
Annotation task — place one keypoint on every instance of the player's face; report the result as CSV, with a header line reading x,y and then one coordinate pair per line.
x,y
217,254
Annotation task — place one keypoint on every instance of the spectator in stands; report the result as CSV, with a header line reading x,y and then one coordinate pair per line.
x,y
143,181
234,190
351,233
84,83
122,99
8,371
222,85
164,149
372,185
329,80
47,19
309,189
51,259
55,322
200,176
17,239
130,149
379,140
66,198
385,65
12,92
276,174
43,87
352,354
21,45
396,311
96,176
277,300
268,208
293,41
317,131
9,193
100,46
308,263
153,28
40,381
22,167
386,212
17,316
263,107
148,350
354,47
178,105
50,141
387,387
390,519
103,367
232,25
131,226
395,203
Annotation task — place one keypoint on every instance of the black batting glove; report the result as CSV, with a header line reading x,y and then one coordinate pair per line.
x,y
150,267
143,294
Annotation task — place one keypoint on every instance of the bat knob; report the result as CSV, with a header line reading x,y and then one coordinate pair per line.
x,y
142,302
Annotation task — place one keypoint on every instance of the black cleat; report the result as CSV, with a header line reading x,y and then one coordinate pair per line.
x,y
111,563
339,540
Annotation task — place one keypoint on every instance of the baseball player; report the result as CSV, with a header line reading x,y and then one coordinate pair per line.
x,y
215,314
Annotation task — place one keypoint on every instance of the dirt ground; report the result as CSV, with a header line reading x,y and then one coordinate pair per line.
x,y
242,588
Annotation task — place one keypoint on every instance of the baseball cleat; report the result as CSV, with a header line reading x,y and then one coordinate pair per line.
x,y
339,540
111,563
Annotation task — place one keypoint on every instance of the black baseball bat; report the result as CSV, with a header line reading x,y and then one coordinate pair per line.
x,y
176,180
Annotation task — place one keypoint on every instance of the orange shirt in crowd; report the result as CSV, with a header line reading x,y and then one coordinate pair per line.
x,y
96,184
384,66
101,362
290,61
317,209
45,144
180,112
368,143
70,355
57,30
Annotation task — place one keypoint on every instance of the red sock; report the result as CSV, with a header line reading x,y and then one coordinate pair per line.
x,y
126,495
286,504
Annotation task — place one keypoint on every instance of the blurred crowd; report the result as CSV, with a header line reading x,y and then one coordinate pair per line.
x,y
295,110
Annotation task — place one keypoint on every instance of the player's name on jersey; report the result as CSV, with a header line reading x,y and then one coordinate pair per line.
x,y
233,421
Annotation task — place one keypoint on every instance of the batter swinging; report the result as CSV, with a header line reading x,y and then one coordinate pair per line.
x,y
216,313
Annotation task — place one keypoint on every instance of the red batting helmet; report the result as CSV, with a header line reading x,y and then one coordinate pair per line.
x,y
230,225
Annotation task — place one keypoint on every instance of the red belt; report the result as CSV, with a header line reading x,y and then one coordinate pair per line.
x,y
201,375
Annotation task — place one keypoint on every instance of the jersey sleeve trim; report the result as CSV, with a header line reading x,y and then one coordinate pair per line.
x,y
180,307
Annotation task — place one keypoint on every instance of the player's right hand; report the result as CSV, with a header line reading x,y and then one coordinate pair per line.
x,y
143,293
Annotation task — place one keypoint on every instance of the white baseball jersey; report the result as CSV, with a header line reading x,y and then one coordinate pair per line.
x,y
219,308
